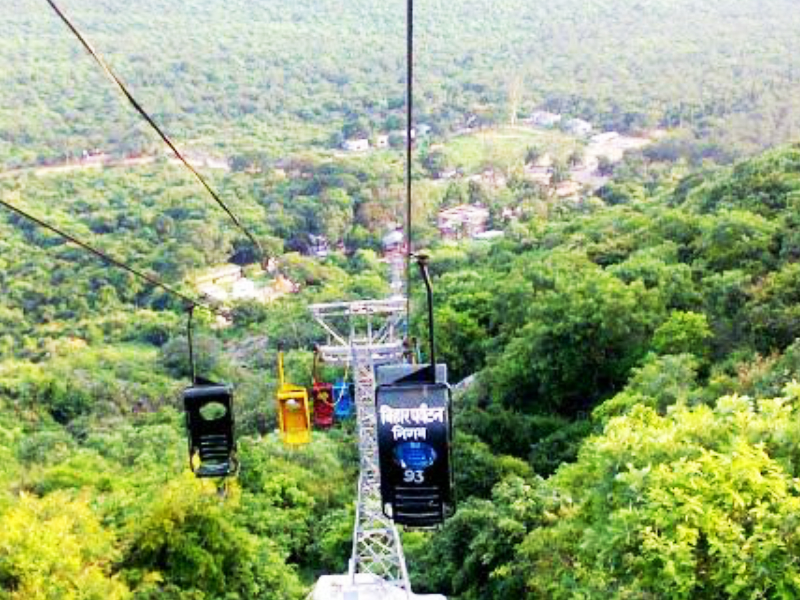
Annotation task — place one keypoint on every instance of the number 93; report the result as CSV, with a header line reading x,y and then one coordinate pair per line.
x,y
410,476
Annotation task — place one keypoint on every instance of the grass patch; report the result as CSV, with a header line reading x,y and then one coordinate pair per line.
x,y
504,147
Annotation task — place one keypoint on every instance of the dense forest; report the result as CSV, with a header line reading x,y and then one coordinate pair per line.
x,y
627,420
260,80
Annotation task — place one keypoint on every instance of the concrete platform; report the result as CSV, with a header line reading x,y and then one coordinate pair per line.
x,y
367,587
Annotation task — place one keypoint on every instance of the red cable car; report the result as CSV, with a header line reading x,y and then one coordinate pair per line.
x,y
322,395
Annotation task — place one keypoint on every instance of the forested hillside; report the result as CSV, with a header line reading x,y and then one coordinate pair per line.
x,y
258,79
612,425
627,420
652,345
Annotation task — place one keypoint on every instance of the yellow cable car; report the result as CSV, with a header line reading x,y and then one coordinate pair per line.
x,y
294,418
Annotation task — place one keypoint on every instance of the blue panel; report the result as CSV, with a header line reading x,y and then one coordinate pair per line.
x,y
415,455
343,400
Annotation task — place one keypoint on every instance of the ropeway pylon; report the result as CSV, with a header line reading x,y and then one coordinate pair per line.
x,y
364,335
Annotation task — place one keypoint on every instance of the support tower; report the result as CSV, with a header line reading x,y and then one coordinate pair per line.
x,y
363,335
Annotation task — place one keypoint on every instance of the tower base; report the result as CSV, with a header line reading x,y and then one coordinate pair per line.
x,y
366,587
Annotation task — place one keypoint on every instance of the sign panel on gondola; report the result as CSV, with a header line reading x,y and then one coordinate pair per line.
x,y
414,436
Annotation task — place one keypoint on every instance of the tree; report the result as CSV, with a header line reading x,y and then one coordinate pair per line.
x,y
773,312
737,240
581,338
476,193
461,340
576,158
434,162
533,154
207,355
693,504
56,546
474,555
684,333
560,171
356,128
454,195
604,166
660,383
186,540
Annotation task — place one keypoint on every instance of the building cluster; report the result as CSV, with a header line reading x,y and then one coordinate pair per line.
x,y
549,120
383,140
228,283
471,221
466,221
610,146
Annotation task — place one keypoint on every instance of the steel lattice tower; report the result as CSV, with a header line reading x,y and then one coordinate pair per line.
x,y
363,335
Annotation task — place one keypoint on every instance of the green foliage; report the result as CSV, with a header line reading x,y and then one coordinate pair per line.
x,y
665,492
688,74
207,351
186,539
507,431
560,447
683,333
658,268
638,308
288,496
737,239
119,506
56,547
110,380
767,185
773,314
332,542
462,313
662,382
462,339
45,447
581,338
696,504
479,469
474,556
770,376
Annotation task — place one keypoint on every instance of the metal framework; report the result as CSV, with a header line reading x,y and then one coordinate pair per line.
x,y
363,335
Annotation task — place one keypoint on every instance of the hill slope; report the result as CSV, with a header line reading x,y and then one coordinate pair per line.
x,y
243,77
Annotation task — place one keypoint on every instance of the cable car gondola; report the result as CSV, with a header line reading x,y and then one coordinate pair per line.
x,y
322,395
208,407
413,408
414,438
294,420
343,399
209,420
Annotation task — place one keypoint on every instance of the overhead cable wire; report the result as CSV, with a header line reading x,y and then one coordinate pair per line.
x,y
144,114
409,145
191,302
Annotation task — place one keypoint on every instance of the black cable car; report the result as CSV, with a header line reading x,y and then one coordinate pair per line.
x,y
209,420
413,408
414,439
208,407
